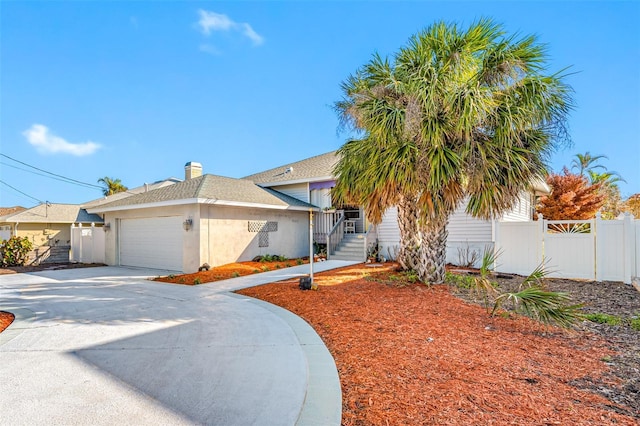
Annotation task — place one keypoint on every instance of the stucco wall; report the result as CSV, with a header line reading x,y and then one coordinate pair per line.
x,y
46,234
225,237
220,234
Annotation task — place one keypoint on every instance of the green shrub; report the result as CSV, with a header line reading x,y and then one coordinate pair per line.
x,y
197,281
14,251
635,323
256,271
236,274
601,318
299,262
265,268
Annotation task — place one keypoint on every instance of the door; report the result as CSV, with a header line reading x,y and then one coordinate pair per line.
x,y
154,242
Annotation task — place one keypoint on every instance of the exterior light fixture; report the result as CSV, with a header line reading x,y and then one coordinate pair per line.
x,y
107,227
187,224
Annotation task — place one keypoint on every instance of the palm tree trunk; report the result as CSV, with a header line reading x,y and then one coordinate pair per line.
x,y
409,253
433,251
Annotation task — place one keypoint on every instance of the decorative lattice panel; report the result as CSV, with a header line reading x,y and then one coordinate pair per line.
x,y
262,226
263,239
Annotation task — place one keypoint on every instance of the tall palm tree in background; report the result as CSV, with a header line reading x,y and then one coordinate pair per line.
x,y
589,166
111,186
586,163
454,114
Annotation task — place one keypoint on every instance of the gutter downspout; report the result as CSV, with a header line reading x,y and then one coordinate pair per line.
x,y
15,229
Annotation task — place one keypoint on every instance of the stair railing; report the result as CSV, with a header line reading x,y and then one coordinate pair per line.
x,y
369,238
335,236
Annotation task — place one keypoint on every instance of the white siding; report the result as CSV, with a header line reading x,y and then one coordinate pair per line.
x,y
298,190
389,233
321,198
521,212
465,228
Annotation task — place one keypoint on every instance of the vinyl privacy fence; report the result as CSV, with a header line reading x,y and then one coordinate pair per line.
x,y
87,244
601,250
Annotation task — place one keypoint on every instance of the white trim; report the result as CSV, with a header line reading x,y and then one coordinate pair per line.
x,y
206,201
292,182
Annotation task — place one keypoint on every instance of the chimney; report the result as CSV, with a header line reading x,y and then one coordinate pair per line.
x,y
192,170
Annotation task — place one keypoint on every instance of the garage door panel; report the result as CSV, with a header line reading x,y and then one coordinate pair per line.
x,y
152,242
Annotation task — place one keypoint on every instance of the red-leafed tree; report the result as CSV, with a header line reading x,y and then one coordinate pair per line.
x,y
572,197
632,205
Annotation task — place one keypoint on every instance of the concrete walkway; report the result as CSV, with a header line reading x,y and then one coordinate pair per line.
x,y
105,345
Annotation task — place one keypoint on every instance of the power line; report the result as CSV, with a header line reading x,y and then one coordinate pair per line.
x,y
70,180
43,175
17,190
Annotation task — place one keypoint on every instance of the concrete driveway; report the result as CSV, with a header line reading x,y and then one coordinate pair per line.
x,y
105,345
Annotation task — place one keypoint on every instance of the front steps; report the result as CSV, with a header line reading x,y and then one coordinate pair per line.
x,y
352,247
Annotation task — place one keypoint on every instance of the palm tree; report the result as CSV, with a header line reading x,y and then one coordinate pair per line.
x,y
587,163
454,114
608,183
111,186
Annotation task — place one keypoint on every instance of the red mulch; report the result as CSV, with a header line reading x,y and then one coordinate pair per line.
x,y
230,270
6,318
417,355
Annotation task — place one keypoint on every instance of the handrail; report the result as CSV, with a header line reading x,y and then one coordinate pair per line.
x,y
366,241
335,236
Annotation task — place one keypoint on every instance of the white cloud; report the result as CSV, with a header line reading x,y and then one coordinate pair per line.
x,y
48,143
211,21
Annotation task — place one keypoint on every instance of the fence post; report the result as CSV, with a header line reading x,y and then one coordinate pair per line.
x,y
598,252
541,229
628,239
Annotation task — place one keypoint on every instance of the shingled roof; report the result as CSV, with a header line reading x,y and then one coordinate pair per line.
x,y
6,211
129,192
53,213
311,169
209,189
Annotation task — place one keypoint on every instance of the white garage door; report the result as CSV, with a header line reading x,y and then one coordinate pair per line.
x,y
152,242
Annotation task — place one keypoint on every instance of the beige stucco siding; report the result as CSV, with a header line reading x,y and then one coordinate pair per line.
x,y
46,234
220,234
226,237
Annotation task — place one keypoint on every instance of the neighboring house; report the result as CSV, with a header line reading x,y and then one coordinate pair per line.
x,y
203,219
48,227
311,180
5,230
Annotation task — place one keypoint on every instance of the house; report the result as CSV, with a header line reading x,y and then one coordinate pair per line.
x,y
5,230
311,180
47,226
203,219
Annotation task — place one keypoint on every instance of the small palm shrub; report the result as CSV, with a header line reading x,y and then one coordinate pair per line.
x,y
532,299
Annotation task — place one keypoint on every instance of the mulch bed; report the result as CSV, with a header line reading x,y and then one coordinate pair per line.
x,y
413,355
230,270
6,318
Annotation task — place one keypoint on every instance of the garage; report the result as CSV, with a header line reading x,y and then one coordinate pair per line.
x,y
154,242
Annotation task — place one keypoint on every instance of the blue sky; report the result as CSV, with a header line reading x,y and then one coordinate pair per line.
x,y
134,90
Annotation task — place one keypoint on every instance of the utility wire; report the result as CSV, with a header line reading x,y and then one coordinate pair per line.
x,y
17,190
53,174
44,175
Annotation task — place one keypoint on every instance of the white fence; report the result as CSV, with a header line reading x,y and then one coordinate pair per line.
x,y
87,244
601,250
